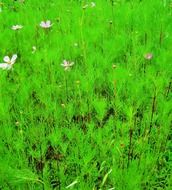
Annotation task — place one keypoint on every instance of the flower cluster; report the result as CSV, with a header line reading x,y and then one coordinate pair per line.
x,y
44,24
9,62
47,24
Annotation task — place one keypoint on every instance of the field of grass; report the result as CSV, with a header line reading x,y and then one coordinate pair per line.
x,y
86,101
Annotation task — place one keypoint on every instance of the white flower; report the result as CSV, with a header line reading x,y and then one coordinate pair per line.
x,y
8,62
67,64
33,49
93,4
17,27
46,24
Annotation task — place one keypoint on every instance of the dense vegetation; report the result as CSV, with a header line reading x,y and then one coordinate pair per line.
x,y
86,100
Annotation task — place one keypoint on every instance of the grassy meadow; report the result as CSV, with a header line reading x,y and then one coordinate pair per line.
x,y
85,94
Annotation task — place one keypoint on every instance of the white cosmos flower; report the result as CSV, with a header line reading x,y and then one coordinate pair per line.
x,y
46,24
67,64
16,27
8,62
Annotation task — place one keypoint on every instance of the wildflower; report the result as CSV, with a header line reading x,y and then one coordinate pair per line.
x,y
46,24
67,64
33,49
8,62
16,27
93,4
148,56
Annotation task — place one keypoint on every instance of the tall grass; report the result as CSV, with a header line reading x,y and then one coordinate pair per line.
x,y
104,123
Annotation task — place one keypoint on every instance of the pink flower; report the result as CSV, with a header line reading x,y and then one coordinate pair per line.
x,y
46,24
67,65
148,56
16,27
8,62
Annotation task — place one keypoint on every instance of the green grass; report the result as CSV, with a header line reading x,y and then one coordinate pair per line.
x,y
106,122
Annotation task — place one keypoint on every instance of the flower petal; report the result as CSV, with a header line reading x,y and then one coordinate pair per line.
x,y
43,24
13,27
66,68
65,63
7,59
13,59
5,66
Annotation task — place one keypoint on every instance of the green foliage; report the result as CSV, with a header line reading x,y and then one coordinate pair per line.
x,y
105,122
